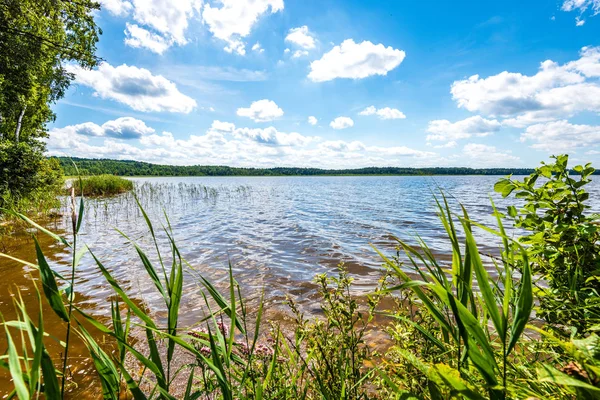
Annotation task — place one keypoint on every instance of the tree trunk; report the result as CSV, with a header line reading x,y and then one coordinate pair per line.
x,y
19,123
0,126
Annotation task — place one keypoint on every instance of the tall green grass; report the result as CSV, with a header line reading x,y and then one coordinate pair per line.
x,y
102,185
459,332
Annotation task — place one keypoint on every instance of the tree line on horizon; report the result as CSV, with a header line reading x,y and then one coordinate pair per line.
x,y
88,166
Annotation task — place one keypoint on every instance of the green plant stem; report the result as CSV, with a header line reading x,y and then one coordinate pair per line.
x,y
71,295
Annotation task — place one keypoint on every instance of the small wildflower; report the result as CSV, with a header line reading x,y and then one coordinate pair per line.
x,y
199,333
223,328
263,351
243,347
205,351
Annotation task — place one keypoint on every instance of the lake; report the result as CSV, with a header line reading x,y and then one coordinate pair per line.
x,y
276,232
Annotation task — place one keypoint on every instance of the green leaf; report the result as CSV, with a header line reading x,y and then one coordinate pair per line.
x,y
504,186
524,304
49,285
15,367
550,374
483,279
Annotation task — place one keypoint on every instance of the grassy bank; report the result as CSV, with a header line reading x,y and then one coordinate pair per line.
x,y
101,185
456,331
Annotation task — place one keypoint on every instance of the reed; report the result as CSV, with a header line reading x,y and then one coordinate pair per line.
x,y
101,185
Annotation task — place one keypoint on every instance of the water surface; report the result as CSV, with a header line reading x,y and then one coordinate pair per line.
x,y
276,232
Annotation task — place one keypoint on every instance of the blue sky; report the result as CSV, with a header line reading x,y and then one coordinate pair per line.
x,y
338,83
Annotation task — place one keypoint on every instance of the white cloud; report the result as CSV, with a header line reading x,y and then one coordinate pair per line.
x,y
444,130
355,61
555,91
312,120
449,145
225,144
135,87
164,22
272,136
301,37
120,128
222,126
116,7
581,6
257,48
234,20
481,155
299,53
140,37
383,113
261,111
561,136
341,123
286,51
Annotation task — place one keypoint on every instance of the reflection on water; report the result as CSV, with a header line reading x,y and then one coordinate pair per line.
x,y
277,232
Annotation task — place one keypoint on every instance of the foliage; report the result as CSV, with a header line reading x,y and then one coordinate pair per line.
x,y
477,330
101,185
37,38
563,239
88,166
334,347
28,180
459,330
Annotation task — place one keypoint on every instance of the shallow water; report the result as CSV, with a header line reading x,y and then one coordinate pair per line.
x,y
277,233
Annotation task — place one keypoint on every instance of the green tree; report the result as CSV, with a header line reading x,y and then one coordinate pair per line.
x,y
563,238
37,40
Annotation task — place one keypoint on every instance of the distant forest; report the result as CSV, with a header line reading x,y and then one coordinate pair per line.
x,y
88,166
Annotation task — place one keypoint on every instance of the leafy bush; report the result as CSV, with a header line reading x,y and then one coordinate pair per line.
x,y
102,185
28,180
563,240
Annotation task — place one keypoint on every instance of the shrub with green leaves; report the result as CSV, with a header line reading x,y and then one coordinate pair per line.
x,y
563,240
28,180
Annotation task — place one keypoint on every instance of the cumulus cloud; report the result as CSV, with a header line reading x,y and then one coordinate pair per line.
x,y
341,123
256,47
162,23
261,111
449,145
140,37
272,136
225,144
444,130
301,37
355,61
312,120
120,128
116,7
135,87
383,113
582,6
222,126
555,91
234,20
487,156
299,53
561,136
